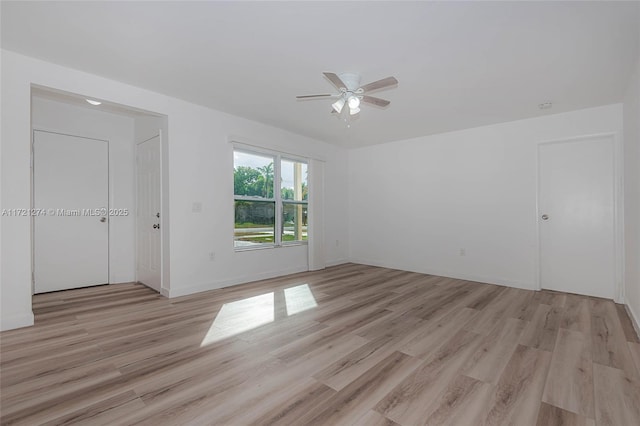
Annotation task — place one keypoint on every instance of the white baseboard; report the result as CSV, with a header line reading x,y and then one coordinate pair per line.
x,y
184,291
634,319
336,262
452,274
11,322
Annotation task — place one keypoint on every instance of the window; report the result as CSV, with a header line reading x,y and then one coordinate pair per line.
x,y
267,214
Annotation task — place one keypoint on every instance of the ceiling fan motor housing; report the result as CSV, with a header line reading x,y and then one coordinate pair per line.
x,y
351,80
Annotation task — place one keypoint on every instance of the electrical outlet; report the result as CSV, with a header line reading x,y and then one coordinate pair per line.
x,y
212,256
463,252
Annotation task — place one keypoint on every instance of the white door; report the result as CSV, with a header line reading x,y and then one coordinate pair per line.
x,y
148,218
576,216
70,185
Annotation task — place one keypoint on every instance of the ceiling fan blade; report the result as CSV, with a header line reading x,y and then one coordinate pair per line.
x,y
375,101
380,84
314,96
335,80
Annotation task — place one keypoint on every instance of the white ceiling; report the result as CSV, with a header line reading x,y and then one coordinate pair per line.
x,y
459,64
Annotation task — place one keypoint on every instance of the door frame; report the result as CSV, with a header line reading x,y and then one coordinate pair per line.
x,y
618,219
163,291
33,193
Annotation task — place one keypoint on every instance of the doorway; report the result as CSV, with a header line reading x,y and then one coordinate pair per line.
x,y
84,192
577,216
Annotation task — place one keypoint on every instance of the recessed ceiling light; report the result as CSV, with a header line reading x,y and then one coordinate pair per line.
x,y
545,105
92,102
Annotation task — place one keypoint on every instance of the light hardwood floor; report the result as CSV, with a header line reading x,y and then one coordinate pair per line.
x,y
350,345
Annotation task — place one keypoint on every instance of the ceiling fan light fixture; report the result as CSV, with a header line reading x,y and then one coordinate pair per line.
x,y
350,93
337,105
354,102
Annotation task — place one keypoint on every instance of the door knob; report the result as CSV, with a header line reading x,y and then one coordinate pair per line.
x,y
545,217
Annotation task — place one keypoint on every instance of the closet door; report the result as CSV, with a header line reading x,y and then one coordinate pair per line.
x,y
70,185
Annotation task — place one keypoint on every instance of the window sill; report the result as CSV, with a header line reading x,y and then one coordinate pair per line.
x,y
270,246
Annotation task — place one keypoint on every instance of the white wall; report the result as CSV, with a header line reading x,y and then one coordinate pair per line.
x,y
416,203
147,127
119,131
410,204
200,168
631,108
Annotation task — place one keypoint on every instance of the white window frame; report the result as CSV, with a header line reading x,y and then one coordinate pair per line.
x,y
278,225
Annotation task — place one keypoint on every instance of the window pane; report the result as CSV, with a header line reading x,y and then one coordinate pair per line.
x,y
255,223
294,222
294,181
252,174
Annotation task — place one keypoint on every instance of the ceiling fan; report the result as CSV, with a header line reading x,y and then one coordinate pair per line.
x,y
351,93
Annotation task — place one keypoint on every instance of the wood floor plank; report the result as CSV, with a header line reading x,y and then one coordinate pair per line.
x,y
407,300
505,306
516,398
294,407
463,402
348,368
426,340
554,416
415,397
495,350
106,412
609,345
372,418
221,399
485,296
570,381
59,363
551,298
324,339
634,348
542,330
317,360
577,314
524,307
617,395
376,347
389,326
438,306
361,395
29,390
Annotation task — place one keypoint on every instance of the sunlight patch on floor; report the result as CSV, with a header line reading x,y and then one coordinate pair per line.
x,y
299,299
240,316
246,314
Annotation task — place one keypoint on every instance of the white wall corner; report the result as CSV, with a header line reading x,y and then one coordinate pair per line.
x,y
634,319
337,262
